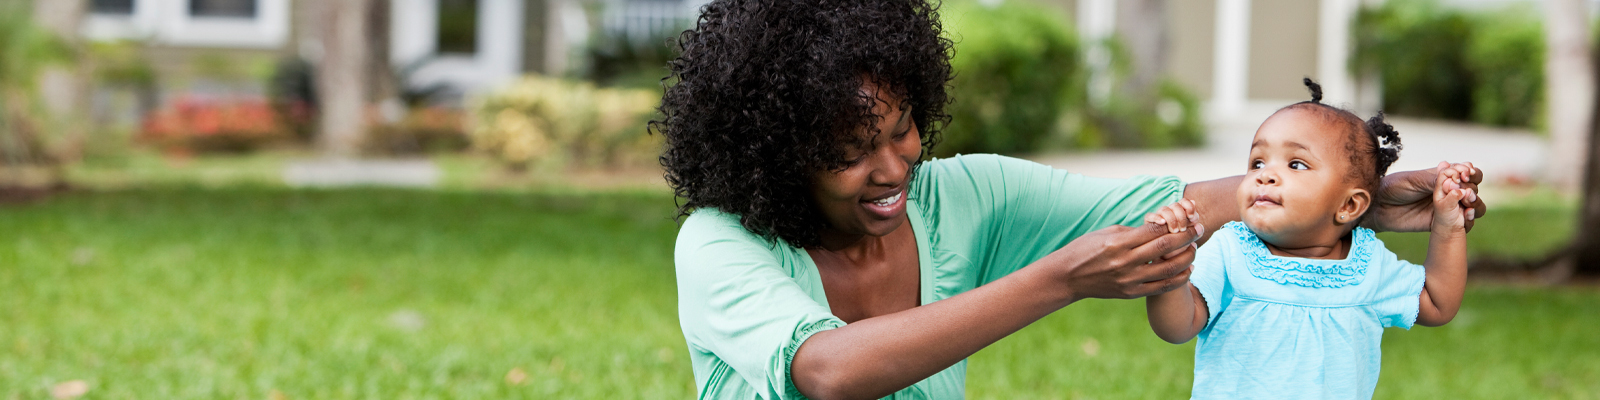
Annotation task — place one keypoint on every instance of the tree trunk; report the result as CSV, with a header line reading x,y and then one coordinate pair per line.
x,y
341,84
1586,246
64,89
1142,27
1142,24
1569,89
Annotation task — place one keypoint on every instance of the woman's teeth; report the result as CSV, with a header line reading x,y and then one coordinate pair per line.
x,y
887,201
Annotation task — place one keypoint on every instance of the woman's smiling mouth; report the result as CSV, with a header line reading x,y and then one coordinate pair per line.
x,y
887,206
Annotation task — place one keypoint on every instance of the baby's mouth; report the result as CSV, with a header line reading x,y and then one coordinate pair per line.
x,y
1265,200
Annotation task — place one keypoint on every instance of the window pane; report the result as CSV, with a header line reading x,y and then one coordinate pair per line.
x,y
114,7
223,8
458,26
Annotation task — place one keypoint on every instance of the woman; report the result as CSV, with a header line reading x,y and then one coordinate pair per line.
x,y
821,256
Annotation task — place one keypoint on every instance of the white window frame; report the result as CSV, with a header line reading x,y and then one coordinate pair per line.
x,y
169,22
414,35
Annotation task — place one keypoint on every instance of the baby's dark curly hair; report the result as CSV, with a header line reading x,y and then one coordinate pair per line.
x,y
1373,145
768,92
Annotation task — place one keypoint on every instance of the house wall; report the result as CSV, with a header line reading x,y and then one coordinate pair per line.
x,y
203,57
1190,59
1283,48
1283,45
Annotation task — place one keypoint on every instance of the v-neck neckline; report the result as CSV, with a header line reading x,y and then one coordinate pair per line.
x,y
924,262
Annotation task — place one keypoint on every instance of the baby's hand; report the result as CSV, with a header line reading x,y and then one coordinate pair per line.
x,y
1451,201
1178,217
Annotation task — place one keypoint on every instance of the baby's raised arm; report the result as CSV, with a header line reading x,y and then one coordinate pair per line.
x,y
1177,315
1447,248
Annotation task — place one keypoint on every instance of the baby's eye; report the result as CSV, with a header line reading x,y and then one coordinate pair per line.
x,y
1257,164
1297,164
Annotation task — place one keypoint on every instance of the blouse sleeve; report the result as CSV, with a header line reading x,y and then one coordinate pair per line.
x,y
1210,275
738,302
1008,212
1400,289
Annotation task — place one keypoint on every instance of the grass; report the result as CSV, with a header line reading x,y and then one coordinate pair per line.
x,y
246,292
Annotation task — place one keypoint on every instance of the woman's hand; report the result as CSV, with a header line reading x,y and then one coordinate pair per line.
x,y
1125,263
877,356
1404,201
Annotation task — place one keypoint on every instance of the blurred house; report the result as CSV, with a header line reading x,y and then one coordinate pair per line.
x,y
1234,53
228,47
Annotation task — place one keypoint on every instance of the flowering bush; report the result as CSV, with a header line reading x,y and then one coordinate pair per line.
x,y
544,119
190,125
422,130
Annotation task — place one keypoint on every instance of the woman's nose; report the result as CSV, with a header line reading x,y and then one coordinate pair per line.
x,y
889,169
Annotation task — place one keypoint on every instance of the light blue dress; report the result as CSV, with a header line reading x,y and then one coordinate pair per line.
x,y
1285,327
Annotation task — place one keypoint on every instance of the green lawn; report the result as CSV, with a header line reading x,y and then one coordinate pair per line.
x,y
237,292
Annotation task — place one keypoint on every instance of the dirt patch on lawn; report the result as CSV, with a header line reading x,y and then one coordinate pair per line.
x,y
11,195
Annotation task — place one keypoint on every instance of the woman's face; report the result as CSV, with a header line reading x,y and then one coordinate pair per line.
x,y
869,196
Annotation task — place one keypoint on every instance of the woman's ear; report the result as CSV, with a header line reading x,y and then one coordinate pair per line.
x,y
1355,204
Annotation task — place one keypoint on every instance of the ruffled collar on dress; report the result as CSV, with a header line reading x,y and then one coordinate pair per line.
x,y
1307,272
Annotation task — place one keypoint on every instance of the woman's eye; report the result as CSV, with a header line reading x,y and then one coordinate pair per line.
x,y
1298,165
1257,164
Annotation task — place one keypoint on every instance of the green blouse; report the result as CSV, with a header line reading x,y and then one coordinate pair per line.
x,y
746,303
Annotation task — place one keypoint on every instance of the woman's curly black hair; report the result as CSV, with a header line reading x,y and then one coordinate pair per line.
x,y
1373,144
767,94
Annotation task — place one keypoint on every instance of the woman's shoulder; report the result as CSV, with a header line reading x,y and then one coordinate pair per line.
x,y
970,175
710,235
709,224
976,163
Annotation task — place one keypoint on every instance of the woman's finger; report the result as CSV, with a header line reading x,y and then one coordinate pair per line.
x,y
1129,239
1165,285
1169,243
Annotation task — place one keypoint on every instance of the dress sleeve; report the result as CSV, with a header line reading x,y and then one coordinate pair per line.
x,y
1210,275
1007,213
1400,291
737,301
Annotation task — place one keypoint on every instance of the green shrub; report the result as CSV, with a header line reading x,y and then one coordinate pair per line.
x,y
1015,66
1170,118
1021,86
1484,67
1506,52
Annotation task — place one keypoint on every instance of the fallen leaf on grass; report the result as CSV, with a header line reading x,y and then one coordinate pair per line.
x,y
516,377
69,389
82,256
407,320
276,394
1091,347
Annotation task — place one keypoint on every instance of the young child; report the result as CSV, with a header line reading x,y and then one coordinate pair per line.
x,y
1292,302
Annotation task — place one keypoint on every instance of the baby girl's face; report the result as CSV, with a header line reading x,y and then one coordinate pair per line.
x,y
1296,181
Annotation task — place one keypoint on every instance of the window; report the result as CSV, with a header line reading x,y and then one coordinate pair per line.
x,y
111,7
223,8
458,26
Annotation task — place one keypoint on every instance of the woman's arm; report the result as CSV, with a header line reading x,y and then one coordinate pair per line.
x,y
1216,202
876,356
1403,203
